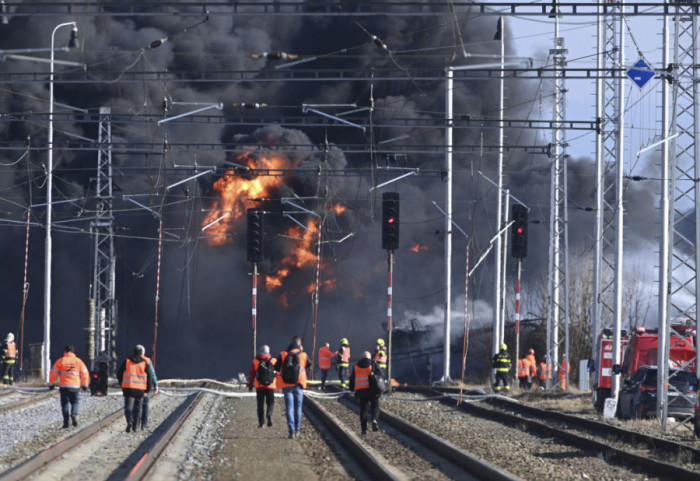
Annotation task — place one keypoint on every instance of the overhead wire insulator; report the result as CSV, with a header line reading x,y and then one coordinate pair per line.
x,y
250,105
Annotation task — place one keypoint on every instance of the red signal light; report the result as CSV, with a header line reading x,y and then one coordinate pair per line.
x,y
390,220
520,230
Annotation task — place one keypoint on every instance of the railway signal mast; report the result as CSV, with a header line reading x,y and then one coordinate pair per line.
x,y
390,242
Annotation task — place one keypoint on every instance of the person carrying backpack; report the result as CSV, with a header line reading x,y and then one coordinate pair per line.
x,y
292,365
366,391
263,377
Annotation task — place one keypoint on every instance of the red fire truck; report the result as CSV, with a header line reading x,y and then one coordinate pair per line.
x,y
603,389
640,348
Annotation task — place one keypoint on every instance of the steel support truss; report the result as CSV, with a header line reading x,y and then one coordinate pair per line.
x,y
103,286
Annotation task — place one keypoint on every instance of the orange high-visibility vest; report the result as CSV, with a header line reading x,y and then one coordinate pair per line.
x,y
11,353
523,367
324,358
344,356
380,357
273,384
70,371
362,377
135,376
302,369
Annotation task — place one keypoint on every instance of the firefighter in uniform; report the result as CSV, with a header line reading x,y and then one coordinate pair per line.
x,y
342,358
380,358
325,358
72,375
502,364
9,358
135,379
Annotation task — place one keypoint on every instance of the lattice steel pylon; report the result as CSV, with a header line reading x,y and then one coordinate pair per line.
x,y
558,312
102,303
683,291
607,276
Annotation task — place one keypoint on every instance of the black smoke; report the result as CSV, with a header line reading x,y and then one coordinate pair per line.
x,y
204,309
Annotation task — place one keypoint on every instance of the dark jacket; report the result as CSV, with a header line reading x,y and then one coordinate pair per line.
x,y
362,393
135,392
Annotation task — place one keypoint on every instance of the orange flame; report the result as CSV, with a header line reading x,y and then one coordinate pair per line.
x,y
302,254
419,247
339,209
234,194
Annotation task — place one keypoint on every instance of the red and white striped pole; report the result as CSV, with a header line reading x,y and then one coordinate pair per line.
x,y
517,313
160,254
316,293
254,311
389,315
465,344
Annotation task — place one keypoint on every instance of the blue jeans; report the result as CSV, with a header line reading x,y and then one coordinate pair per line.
x,y
69,402
132,409
144,410
293,400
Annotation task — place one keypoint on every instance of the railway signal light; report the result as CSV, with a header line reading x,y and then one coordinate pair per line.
x,y
390,220
255,236
519,232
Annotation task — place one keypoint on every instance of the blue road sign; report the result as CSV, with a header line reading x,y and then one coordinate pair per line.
x,y
641,73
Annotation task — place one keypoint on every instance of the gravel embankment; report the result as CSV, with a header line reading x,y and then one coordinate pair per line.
x,y
525,455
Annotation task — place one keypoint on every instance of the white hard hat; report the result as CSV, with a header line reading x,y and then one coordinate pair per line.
x,y
10,337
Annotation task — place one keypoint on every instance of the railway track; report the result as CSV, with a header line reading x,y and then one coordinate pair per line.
x,y
636,451
103,450
10,404
376,453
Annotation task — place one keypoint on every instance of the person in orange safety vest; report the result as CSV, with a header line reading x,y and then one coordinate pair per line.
x,y
9,358
342,359
563,371
263,377
325,358
145,406
544,371
293,392
72,375
525,369
136,381
360,384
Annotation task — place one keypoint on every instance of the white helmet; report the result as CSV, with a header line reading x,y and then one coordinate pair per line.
x,y
10,337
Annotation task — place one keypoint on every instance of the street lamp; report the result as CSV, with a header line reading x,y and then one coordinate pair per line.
x,y
46,361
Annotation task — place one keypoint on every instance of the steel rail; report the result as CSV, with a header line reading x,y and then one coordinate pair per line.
x,y
155,444
471,464
326,9
150,457
41,459
626,458
11,406
374,467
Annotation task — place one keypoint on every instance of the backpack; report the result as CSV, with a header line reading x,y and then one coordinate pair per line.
x,y
290,368
377,384
266,373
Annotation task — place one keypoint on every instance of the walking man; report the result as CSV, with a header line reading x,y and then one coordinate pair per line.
x,y
145,409
263,377
135,380
292,366
72,375
360,384
325,357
